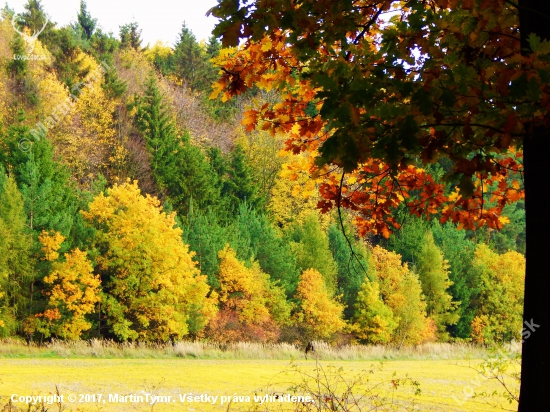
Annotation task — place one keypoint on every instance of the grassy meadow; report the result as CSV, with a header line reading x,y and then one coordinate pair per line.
x,y
443,374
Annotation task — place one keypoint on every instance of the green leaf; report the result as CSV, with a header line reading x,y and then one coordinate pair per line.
x,y
466,186
423,100
534,42
325,81
447,98
534,91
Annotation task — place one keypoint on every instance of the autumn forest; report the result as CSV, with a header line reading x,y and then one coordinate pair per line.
x,y
144,199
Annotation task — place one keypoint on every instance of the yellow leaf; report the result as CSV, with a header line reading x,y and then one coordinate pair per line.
x,y
217,88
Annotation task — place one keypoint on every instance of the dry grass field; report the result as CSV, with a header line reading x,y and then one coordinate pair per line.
x,y
149,379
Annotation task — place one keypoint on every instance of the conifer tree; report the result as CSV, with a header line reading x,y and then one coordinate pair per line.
x,y
311,247
254,238
130,36
85,21
103,49
190,60
433,272
353,266
195,178
459,251
66,47
48,194
35,18
240,185
180,169
220,165
206,237
408,240
18,65
16,262
155,122
374,322
213,47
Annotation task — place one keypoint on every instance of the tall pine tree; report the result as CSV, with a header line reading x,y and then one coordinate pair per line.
x,y
182,171
86,23
16,262
311,247
433,272
353,266
190,61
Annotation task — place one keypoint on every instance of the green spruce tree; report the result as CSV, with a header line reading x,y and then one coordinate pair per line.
x,y
130,36
239,185
16,262
433,272
311,248
353,267
182,172
17,66
86,23
459,251
253,238
190,60
373,320
206,237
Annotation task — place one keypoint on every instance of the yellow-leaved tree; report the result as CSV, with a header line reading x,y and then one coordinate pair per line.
x,y
401,290
251,307
152,289
71,288
501,290
294,194
94,146
319,315
262,152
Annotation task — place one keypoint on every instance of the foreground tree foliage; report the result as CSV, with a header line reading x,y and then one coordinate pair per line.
x,y
462,80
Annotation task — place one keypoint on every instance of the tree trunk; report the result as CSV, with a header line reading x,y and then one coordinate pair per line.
x,y
535,370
